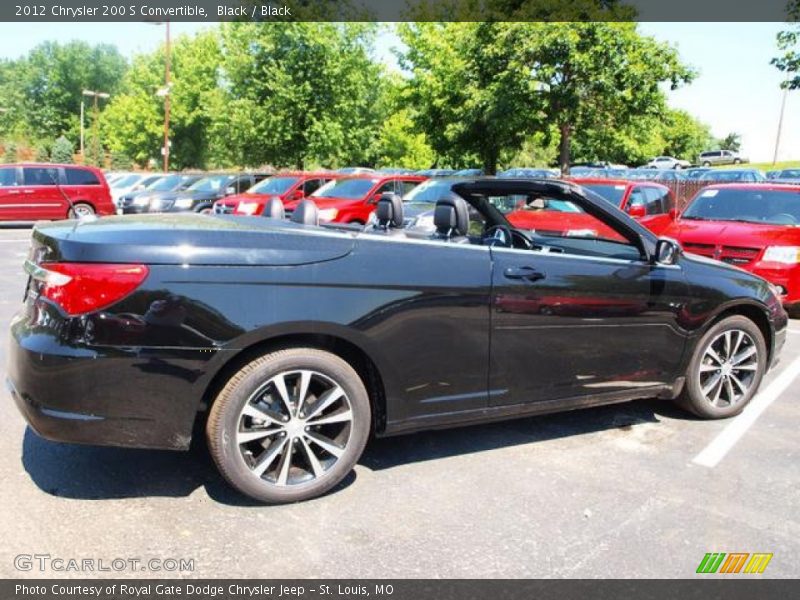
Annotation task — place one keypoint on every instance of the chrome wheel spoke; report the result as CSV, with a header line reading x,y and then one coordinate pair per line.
x,y
269,457
737,342
326,444
751,367
729,390
285,464
739,384
283,446
727,344
719,385
279,381
244,437
704,368
258,414
711,383
337,417
712,354
316,467
743,355
325,401
305,379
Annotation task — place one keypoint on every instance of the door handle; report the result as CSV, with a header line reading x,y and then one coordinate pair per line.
x,y
526,273
13,192
27,191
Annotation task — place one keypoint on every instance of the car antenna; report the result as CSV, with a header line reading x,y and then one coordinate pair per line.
x,y
64,194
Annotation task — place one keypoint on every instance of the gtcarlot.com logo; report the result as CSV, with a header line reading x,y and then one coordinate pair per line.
x,y
734,562
45,562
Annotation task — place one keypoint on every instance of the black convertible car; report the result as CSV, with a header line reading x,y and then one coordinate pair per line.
x,y
292,342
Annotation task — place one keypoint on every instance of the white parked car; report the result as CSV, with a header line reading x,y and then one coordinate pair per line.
x,y
132,182
667,162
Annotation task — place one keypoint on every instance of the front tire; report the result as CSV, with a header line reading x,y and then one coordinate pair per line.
x,y
289,425
706,164
727,367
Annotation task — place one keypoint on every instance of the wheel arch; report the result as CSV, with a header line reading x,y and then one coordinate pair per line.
x,y
340,346
754,312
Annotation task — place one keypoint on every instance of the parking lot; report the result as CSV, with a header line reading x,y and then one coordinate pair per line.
x,y
631,490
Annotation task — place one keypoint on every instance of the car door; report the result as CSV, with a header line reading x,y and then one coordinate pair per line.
x,y
568,322
41,195
658,203
11,207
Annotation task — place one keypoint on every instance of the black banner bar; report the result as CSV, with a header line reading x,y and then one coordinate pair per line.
x,y
397,10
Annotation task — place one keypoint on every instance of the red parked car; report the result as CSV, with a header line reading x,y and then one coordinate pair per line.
x,y
352,199
289,187
30,192
650,203
753,226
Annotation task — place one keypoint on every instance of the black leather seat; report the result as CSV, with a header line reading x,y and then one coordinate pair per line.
x,y
274,209
306,212
389,212
451,219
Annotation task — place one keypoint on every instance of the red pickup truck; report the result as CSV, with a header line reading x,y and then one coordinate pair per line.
x,y
30,192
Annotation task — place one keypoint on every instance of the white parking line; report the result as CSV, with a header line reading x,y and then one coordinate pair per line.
x,y
711,455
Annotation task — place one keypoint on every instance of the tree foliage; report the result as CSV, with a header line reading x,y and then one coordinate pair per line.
x,y
732,141
62,151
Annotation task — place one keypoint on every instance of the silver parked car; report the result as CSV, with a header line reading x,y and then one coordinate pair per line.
x,y
721,157
668,162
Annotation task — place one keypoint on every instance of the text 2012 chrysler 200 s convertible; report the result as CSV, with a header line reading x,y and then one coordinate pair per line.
x,y
294,342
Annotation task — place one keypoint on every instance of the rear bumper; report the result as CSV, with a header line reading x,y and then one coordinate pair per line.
x,y
135,398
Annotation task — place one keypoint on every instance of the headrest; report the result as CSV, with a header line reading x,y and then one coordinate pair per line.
x,y
389,212
306,212
274,209
451,216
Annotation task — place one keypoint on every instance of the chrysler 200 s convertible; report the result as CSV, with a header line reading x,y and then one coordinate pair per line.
x,y
292,343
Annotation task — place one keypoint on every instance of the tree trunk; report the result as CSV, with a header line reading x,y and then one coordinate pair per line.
x,y
490,160
563,149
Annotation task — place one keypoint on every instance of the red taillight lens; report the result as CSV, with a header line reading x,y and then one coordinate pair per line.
x,y
81,288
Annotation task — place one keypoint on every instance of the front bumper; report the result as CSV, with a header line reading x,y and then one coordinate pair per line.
x,y
785,276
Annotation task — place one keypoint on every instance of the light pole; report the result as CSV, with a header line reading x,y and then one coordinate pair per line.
x,y
164,93
780,126
96,139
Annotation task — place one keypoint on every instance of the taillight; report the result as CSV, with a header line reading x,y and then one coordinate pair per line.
x,y
80,288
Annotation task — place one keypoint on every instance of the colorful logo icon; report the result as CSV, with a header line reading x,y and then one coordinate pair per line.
x,y
734,562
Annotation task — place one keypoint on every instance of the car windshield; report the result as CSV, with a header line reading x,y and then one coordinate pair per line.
x,y
125,181
775,207
165,184
345,188
429,191
789,174
210,184
610,193
273,185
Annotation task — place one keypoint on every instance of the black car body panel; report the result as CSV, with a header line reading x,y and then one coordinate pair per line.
x,y
442,337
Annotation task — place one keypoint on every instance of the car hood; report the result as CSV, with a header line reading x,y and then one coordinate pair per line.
x,y
323,203
190,239
749,235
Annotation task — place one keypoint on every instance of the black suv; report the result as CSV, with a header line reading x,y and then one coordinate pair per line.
x,y
201,195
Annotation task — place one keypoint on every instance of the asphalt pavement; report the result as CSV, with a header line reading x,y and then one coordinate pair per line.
x,y
631,490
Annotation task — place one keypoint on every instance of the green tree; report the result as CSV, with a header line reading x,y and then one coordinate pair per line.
x,y
788,62
599,75
298,93
62,150
470,86
732,141
400,145
133,123
43,90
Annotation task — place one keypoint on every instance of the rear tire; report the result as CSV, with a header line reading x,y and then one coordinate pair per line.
x,y
737,161
727,367
706,164
289,425
80,209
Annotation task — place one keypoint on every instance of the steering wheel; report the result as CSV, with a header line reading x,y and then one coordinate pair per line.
x,y
498,235
784,219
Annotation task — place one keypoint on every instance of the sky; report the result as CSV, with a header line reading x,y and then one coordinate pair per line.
x,y
736,90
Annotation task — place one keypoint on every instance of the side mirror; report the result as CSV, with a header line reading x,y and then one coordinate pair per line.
x,y
667,252
375,199
298,194
637,211
673,214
